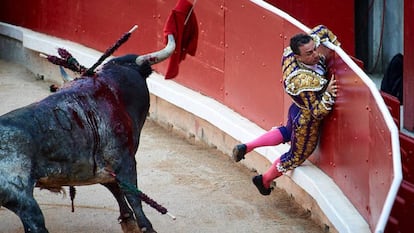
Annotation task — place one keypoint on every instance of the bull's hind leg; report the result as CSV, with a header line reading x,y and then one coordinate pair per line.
x,y
25,206
126,218
16,187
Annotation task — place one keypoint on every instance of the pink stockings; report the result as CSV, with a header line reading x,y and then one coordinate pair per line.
x,y
271,174
270,138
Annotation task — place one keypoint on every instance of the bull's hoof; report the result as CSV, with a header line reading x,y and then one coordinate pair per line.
x,y
130,226
144,230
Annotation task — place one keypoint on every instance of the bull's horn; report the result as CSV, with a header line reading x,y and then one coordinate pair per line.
x,y
158,56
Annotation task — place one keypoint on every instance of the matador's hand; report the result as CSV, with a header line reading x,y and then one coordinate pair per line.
x,y
332,87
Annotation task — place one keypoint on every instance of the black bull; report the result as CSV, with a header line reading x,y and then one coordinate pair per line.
x,y
84,134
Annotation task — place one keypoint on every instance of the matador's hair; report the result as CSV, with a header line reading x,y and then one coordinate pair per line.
x,y
299,40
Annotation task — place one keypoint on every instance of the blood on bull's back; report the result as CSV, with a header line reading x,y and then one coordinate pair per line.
x,y
74,133
86,133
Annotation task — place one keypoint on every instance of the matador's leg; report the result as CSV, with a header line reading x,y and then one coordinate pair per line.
x,y
273,137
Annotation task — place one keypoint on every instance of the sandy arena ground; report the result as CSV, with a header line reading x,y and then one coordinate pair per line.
x,y
202,187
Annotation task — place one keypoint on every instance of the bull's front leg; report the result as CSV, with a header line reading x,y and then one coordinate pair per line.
x,y
136,204
126,218
127,175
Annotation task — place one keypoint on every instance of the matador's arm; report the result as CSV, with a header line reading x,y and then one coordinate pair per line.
x,y
318,106
321,34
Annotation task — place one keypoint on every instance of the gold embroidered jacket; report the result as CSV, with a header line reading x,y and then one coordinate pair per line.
x,y
307,89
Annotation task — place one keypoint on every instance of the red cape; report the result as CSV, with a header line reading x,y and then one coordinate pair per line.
x,y
185,35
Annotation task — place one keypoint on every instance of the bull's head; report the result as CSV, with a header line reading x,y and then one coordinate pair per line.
x,y
142,63
71,63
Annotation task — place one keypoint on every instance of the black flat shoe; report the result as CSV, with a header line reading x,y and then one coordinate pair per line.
x,y
238,152
258,181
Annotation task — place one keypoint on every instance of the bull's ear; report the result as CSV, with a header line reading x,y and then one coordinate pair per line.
x,y
145,69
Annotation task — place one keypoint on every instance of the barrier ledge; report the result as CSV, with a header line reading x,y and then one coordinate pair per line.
x,y
313,184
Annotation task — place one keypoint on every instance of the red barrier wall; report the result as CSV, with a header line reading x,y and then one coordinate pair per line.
x,y
238,64
355,148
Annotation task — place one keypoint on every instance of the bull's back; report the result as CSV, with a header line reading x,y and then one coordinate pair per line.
x,y
71,127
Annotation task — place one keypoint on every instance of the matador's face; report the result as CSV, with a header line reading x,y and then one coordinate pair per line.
x,y
308,54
